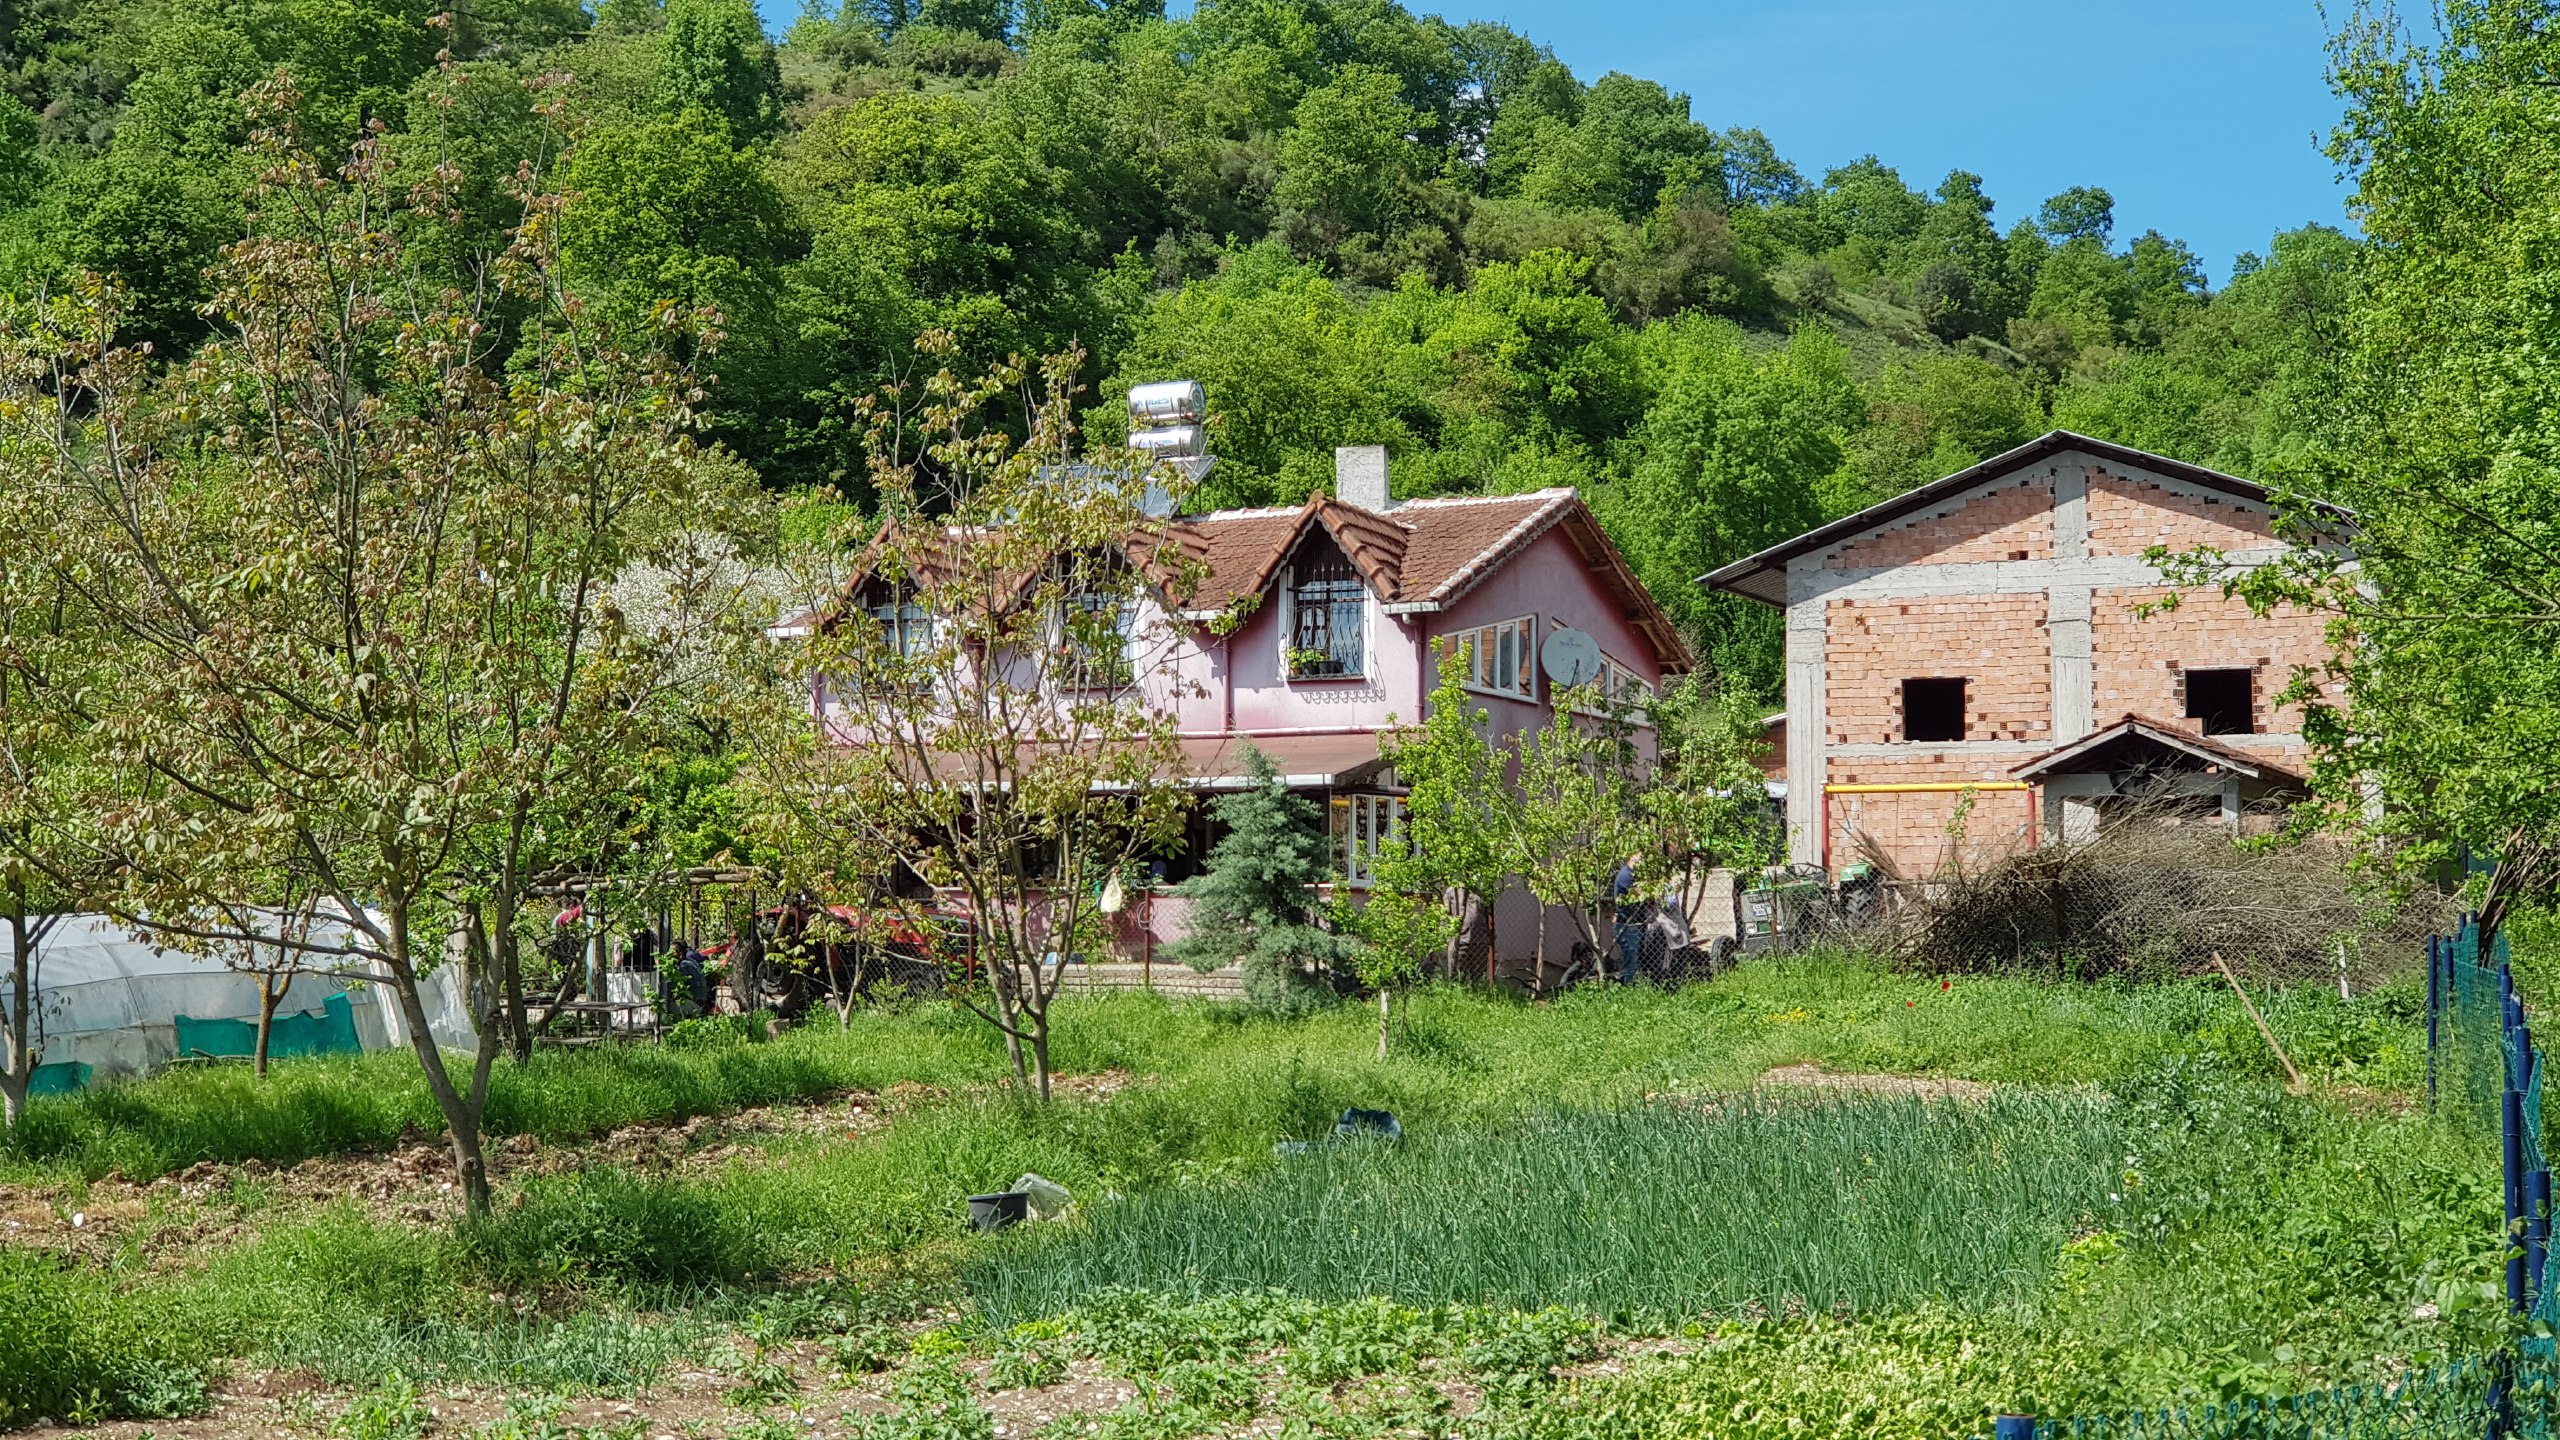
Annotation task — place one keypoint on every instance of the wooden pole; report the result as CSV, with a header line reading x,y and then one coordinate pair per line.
x,y
2259,1020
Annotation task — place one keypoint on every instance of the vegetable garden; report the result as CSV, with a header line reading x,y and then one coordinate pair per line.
x,y
1599,1224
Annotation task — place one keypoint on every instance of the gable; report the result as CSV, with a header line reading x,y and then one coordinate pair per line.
x,y
1992,535
2128,514
2009,519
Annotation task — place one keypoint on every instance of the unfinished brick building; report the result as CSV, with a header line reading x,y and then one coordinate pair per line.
x,y
1969,668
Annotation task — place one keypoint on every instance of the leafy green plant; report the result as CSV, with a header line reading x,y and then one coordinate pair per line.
x,y
1025,1365
762,1374
931,1401
867,1349
389,1411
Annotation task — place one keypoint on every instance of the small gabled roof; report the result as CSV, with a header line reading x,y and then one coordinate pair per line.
x,y
2083,756
1422,556
1763,576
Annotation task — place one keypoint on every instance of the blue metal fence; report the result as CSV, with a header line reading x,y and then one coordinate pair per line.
x,y
2484,1075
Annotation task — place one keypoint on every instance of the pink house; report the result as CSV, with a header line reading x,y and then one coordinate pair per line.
x,y
1347,597
1343,599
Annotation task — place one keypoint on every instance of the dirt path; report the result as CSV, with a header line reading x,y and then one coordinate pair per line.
x,y
1809,1076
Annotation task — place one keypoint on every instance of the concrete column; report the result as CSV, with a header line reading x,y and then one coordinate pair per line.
x,y
2070,513
2067,610
2075,681
1808,726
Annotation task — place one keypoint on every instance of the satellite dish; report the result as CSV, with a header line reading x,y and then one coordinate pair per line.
x,y
1571,657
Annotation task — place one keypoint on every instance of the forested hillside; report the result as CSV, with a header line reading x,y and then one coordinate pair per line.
x,y
1353,223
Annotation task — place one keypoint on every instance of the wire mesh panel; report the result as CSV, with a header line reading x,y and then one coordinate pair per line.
x,y
2471,1035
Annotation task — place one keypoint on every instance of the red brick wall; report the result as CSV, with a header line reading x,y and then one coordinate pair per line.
x,y
2138,665
2011,522
1996,643
2127,517
1910,827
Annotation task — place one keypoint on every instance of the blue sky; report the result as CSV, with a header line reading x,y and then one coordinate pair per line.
x,y
2202,117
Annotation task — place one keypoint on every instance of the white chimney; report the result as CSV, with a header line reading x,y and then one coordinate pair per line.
x,y
1360,476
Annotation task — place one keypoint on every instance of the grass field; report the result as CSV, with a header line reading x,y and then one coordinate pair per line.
x,y
2137,1212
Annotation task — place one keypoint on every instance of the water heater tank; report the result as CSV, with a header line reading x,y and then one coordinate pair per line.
x,y
1170,441
1167,402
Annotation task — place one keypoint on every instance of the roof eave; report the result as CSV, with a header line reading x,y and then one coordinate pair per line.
x,y
2245,766
1732,577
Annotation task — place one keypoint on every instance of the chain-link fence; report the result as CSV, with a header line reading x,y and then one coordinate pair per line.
x,y
2156,896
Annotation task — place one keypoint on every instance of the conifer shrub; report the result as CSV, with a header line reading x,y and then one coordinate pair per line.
x,y
1257,904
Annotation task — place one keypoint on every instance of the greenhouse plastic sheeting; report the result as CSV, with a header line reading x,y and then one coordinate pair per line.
x,y
329,1030
109,1002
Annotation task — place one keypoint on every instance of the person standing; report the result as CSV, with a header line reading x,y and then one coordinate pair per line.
x,y
1629,908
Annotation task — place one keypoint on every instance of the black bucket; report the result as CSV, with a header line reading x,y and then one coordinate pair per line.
x,y
991,1213
1368,1125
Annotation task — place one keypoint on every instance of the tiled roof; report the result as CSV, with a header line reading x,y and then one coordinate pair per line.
x,y
1422,552
2067,759
1424,555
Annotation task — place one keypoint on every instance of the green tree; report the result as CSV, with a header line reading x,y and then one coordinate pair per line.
x,y
716,59
1292,370
1579,807
1345,162
1730,458
2437,725
1964,287
1435,880
391,589
1256,904
960,737
2083,212
670,209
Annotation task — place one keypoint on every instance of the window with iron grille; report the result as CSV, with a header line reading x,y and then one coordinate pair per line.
x,y
1329,605
905,628
1096,621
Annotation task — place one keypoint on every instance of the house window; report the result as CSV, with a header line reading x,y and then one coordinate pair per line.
x,y
1619,681
1097,615
2225,700
1370,826
1503,659
1632,690
905,628
1933,709
1329,607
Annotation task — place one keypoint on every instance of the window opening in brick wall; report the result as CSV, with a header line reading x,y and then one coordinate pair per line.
x,y
2225,700
1933,709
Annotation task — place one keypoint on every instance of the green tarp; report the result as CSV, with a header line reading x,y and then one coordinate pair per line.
x,y
58,1079
329,1030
